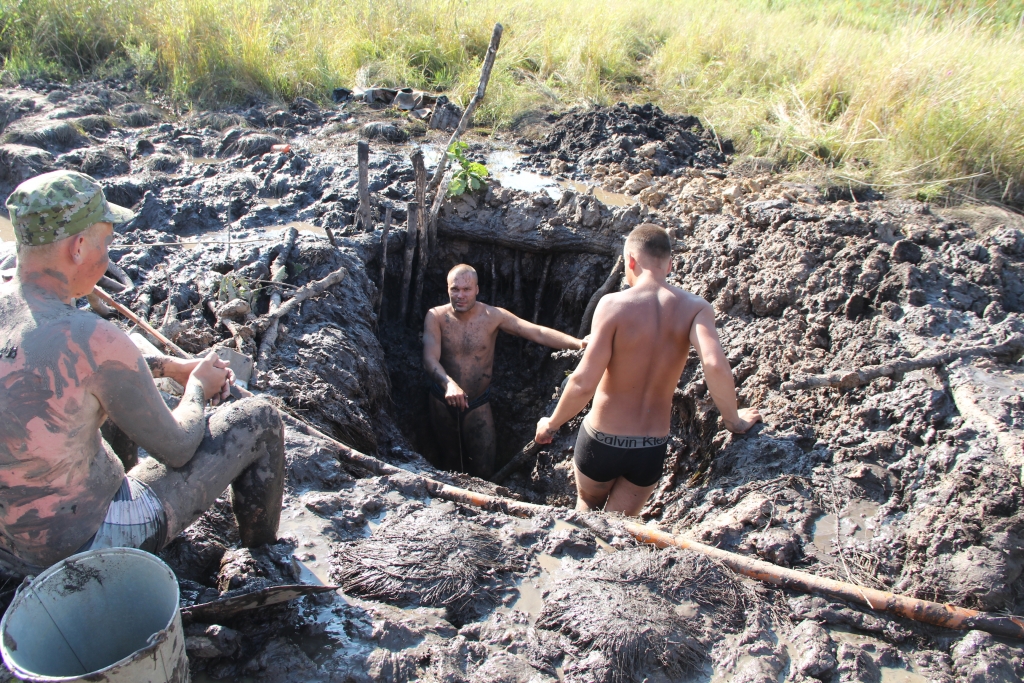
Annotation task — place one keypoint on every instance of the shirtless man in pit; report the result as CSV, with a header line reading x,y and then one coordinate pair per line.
x,y
638,348
458,355
65,371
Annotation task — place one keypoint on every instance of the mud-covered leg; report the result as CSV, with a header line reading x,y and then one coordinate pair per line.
x,y
243,448
479,441
628,498
591,494
446,430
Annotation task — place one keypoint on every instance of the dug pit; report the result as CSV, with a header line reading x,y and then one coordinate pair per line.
x,y
910,482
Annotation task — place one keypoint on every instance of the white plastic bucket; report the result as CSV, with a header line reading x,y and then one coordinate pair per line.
x,y
103,615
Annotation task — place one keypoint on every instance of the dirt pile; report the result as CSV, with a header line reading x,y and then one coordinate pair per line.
x,y
640,137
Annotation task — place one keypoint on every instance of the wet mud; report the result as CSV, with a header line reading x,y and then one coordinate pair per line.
x,y
910,483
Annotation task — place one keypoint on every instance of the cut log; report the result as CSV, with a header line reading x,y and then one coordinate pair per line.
x,y
411,236
610,283
545,239
848,379
481,90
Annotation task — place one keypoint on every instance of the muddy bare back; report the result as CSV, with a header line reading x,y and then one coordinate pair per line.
x,y
651,341
70,370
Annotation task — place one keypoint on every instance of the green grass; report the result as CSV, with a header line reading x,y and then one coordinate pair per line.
x,y
917,97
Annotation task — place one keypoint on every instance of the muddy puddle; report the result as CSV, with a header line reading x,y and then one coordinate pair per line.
x,y
854,522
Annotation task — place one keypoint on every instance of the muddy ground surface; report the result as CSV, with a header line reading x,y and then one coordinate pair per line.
x,y
910,483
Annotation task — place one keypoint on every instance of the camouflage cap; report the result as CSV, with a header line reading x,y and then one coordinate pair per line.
x,y
60,204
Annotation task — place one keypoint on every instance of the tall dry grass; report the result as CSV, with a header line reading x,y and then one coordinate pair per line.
x,y
916,96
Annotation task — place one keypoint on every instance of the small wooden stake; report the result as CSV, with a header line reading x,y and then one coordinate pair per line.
x,y
411,235
383,257
363,212
540,288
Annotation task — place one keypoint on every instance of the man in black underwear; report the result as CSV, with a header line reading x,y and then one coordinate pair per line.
x,y
638,348
458,354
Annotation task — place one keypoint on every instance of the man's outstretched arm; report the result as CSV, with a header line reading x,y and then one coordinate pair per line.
x,y
453,393
718,374
545,336
584,380
123,384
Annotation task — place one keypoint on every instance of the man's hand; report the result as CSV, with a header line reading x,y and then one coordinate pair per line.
x,y
584,342
214,375
545,431
745,419
455,396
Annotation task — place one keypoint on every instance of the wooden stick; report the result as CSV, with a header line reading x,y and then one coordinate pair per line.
x,y
847,379
363,212
312,289
420,173
383,257
411,236
280,274
421,267
609,284
126,312
435,211
925,611
540,288
520,459
481,89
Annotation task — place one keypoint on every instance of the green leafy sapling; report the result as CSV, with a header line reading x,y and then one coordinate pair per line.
x,y
470,175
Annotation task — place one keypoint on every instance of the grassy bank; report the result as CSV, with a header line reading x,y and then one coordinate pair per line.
x,y
919,97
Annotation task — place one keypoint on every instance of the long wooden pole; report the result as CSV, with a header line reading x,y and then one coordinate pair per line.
x,y
126,312
925,611
481,89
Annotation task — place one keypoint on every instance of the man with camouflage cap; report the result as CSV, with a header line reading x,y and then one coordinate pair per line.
x,y
65,371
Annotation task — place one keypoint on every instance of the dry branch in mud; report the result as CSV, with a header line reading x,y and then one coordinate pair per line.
x,y
431,557
641,610
848,379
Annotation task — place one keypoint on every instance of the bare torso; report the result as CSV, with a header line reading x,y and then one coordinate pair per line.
x,y
467,345
651,342
70,372
57,474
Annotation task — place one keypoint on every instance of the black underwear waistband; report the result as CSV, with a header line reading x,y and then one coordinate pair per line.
x,y
625,442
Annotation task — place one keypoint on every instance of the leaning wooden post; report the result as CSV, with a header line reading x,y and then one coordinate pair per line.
x,y
411,235
363,212
383,257
609,283
420,173
421,268
517,285
485,75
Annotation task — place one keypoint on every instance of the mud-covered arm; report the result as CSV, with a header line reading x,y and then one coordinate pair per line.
x,y
123,384
584,380
432,350
717,372
173,368
545,336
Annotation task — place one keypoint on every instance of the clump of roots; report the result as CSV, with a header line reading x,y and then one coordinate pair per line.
x,y
431,557
642,609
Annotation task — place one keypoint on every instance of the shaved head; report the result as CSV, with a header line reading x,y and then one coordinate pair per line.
x,y
463,287
651,241
460,269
